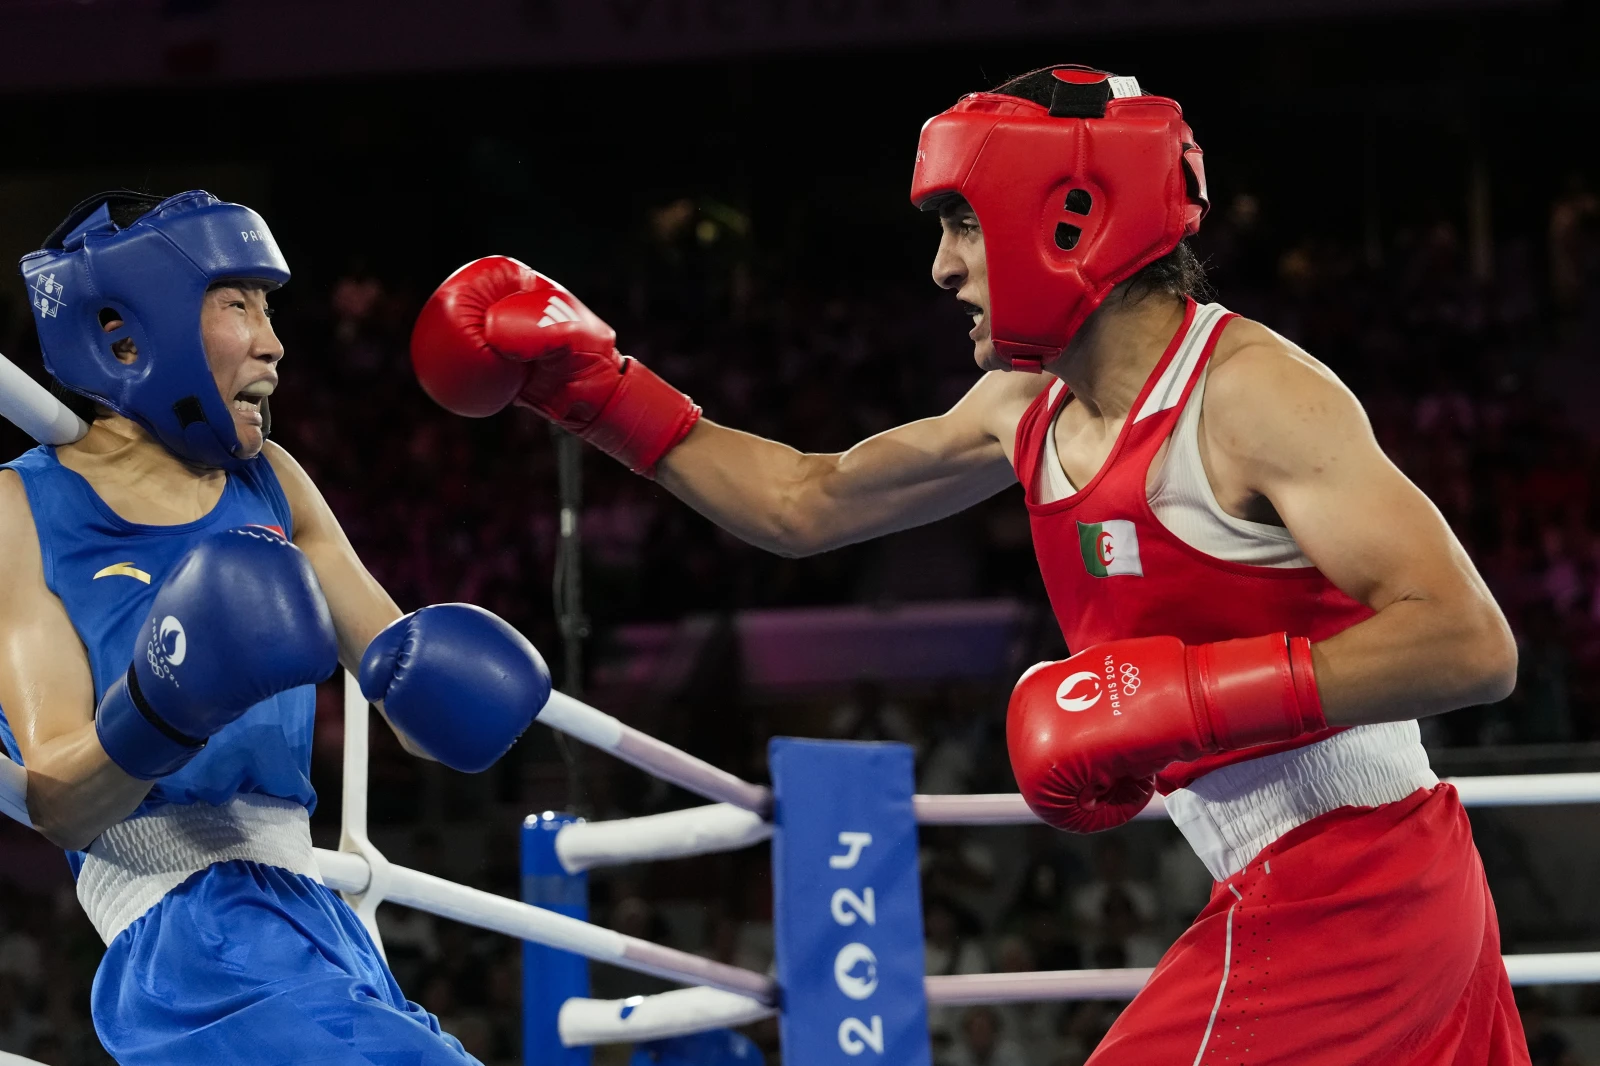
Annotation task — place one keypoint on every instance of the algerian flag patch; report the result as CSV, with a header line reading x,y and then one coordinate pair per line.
x,y
1110,548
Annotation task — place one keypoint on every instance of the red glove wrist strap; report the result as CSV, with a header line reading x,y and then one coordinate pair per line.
x,y
643,419
1256,690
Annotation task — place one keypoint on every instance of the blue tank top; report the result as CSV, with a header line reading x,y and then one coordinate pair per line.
x,y
105,570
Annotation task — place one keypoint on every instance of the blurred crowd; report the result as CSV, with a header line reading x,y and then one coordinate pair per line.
x,y
1476,366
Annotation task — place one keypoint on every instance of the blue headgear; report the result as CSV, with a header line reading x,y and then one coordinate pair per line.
x,y
153,275
718,1047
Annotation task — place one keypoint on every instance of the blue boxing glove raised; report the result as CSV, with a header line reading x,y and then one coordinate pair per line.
x,y
458,681
239,619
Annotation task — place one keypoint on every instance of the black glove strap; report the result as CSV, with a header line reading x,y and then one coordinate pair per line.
x,y
155,719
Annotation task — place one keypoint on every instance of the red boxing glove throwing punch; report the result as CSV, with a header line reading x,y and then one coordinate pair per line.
x,y
1087,735
498,331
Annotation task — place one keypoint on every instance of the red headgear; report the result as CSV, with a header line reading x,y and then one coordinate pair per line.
x,y
1072,198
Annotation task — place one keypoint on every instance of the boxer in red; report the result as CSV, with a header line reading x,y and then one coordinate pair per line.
x,y
1260,604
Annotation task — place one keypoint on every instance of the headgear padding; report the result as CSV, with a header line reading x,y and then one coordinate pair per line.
x,y
153,275
1072,198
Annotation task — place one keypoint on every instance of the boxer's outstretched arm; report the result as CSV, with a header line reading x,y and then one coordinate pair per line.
x,y
74,789
794,503
497,332
1279,424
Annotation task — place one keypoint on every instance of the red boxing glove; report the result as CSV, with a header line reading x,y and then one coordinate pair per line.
x,y
498,332
1087,735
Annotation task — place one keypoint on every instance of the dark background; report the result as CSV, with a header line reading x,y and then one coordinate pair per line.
x,y
1412,198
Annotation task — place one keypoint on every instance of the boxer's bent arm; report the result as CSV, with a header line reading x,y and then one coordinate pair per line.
x,y
1282,425
359,605
75,791
794,503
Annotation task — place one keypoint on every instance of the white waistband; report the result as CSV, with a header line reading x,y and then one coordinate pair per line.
x,y
135,863
1230,814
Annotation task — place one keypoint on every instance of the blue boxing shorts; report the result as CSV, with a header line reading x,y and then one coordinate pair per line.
x,y
249,963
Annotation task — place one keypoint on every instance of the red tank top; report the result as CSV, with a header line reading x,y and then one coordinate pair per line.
x,y
1113,571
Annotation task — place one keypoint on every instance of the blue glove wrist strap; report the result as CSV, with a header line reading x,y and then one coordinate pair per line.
x,y
135,737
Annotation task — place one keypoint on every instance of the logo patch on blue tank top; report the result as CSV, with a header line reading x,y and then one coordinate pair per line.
x,y
126,569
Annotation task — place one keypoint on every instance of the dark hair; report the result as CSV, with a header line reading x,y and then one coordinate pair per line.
x,y
1180,272
1036,85
126,206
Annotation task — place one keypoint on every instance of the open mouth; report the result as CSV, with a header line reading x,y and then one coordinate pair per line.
x,y
974,312
248,401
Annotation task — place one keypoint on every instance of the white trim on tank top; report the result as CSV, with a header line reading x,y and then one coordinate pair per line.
x,y
1180,494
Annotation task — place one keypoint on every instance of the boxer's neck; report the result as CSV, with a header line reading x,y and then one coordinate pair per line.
x,y
138,478
1112,355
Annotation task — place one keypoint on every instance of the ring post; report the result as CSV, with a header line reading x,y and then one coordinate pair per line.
x,y
847,904
550,976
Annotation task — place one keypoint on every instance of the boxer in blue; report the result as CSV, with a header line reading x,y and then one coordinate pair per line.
x,y
176,586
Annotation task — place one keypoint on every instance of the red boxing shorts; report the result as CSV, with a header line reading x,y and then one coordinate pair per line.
x,y
1364,936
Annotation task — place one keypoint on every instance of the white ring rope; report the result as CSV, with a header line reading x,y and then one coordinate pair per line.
x,y
674,835
33,409
1511,790
604,1021
665,1014
349,873
597,728
723,827
366,879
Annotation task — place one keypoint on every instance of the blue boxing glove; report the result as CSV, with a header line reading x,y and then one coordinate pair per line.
x,y
239,619
457,680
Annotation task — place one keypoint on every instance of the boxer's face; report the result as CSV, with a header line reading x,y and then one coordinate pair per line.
x,y
243,352
959,265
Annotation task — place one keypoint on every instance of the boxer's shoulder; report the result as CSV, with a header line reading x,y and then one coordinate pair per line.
x,y
298,489
1258,361
291,475
16,514
313,521
1268,401
19,545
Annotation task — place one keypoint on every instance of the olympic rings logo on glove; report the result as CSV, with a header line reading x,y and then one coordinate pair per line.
x,y
1130,679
